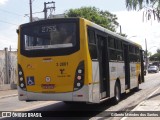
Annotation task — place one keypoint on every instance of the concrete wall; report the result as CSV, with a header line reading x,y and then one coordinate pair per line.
x,y
2,67
13,67
8,68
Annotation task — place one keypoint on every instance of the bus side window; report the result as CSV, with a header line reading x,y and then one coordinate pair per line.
x,y
92,44
119,44
112,48
91,36
119,50
111,42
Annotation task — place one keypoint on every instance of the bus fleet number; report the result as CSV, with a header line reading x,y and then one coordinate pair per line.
x,y
62,64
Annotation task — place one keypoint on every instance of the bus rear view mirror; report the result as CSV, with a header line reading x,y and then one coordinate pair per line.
x,y
17,31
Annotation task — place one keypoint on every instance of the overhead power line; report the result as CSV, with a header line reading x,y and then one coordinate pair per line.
x,y
8,23
6,11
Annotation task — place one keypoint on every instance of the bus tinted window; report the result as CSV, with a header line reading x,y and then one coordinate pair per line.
x,y
113,54
131,49
111,43
137,50
92,44
119,45
91,36
60,35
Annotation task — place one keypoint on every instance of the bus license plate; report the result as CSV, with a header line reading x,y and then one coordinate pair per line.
x,y
47,86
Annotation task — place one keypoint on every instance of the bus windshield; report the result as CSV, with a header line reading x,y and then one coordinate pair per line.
x,y
49,36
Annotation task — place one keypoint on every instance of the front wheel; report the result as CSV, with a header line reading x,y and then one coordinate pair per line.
x,y
117,93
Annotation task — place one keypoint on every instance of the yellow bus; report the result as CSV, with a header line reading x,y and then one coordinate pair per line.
x,y
75,60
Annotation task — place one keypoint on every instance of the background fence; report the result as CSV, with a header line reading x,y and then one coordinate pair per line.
x,y
8,68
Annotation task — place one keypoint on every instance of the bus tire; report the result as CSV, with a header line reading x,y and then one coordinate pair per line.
x,y
117,93
137,88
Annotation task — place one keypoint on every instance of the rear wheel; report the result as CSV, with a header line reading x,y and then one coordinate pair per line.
x,y
117,93
137,88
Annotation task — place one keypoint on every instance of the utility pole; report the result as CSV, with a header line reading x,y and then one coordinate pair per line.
x,y
30,4
146,54
120,29
51,8
7,80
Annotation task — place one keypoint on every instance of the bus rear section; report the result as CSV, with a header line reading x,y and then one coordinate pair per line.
x,y
51,61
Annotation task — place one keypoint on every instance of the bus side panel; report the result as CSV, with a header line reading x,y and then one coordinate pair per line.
x,y
96,82
116,72
82,94
138,72
91,68
113,77
133,78
134,72
121,75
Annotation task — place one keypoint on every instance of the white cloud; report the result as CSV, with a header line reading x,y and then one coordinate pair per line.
x,y
138,30
3,1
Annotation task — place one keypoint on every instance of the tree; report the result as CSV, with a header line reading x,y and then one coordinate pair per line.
x,y
102,18
156,56
151,6
158,51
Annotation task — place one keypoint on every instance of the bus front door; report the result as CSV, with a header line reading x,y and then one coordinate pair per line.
x,y
126,67
103,67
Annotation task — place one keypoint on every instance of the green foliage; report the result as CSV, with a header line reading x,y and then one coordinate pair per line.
x,y
133,4
156,56
158,51
102,18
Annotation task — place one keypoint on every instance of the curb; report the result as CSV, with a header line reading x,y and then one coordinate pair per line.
x,y
13,95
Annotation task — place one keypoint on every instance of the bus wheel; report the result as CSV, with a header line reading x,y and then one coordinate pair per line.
x,y
117,93
137,88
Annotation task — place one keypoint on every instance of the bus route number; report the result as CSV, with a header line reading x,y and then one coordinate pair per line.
x,y
62,64
48,28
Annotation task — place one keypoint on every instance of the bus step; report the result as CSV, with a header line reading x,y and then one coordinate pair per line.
x,y
128,90
104,99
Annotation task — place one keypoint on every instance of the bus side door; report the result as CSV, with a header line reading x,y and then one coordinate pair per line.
x,y
103,66
126,66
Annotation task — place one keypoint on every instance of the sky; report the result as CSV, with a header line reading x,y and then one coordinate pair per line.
x,y
15,12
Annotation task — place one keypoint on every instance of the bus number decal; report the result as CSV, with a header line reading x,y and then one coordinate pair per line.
x,y
49,29
62,64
